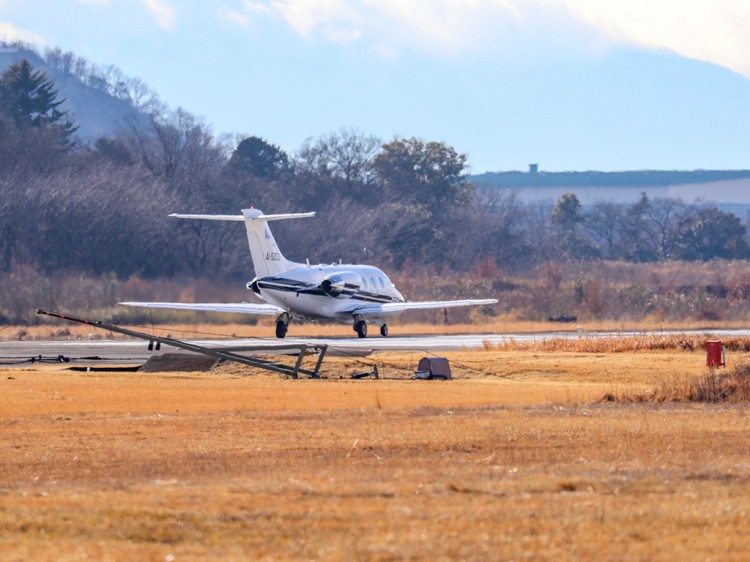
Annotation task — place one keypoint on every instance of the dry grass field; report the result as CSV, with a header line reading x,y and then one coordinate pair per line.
x,y
518,458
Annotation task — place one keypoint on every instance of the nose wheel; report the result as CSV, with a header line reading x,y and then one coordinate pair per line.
x,y
384,330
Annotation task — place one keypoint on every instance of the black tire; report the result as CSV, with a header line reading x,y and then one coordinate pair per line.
x,y
361,328
384,330
281,328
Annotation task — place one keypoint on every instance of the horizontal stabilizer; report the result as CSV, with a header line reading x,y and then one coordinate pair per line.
x,y
240,218
426,305
240,307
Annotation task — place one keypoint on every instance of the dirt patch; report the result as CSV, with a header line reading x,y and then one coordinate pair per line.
x,y
176,362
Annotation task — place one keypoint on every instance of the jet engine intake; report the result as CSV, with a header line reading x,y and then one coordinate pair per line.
x,y
344,284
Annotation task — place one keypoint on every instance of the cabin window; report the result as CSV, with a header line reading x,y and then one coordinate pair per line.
x,y
364,282
382,283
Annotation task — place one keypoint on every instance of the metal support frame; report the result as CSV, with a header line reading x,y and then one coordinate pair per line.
x,y
228,353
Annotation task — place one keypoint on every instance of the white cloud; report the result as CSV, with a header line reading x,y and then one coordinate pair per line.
x,y
387,25
164,13
258,7
243,16
11,33
453,25
338,21
231,15
709,30
97,2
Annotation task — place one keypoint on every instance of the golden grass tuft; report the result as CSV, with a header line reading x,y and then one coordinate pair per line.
x,y
713,387
619,344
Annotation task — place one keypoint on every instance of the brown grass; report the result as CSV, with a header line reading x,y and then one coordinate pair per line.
x,y
622,344
513,460
715,386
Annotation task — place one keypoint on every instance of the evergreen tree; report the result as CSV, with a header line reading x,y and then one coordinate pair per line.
x,y
30,99
257,157
567,219
638,238
710,233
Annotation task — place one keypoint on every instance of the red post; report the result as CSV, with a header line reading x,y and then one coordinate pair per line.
x,y
716,355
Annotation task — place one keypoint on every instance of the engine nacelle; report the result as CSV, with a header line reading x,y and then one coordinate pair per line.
x,y
343,284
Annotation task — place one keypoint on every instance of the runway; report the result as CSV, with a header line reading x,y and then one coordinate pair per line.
x,y
136,351
127,351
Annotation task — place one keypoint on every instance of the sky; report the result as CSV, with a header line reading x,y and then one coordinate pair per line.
x,y
568,84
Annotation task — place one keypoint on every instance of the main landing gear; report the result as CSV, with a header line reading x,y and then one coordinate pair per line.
x,y
360,326
282,325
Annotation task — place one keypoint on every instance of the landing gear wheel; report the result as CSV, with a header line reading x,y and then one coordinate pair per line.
x,y
361,328
384,330
281,328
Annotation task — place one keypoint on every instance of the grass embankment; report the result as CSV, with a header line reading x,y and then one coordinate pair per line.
x,y
517,459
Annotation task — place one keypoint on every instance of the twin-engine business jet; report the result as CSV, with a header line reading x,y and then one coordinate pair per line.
x,y
360,294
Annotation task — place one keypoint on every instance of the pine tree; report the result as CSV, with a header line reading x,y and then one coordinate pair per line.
x,y
30,99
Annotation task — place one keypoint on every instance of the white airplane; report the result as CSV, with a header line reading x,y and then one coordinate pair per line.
x,y
360,294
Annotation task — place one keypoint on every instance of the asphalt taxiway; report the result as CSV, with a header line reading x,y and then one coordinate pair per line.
x,y
136,351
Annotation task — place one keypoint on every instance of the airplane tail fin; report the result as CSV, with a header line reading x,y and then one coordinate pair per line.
x,y
267,258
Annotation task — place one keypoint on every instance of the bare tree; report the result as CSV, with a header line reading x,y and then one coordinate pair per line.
x,y
603,222
177,147
339,164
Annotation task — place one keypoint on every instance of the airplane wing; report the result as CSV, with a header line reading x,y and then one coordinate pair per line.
x,y
240,307
404,306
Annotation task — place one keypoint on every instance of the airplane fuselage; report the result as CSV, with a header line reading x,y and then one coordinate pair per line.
x,y
328,292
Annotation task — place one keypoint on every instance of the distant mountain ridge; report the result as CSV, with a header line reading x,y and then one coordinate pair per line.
x,y
635,178
94,111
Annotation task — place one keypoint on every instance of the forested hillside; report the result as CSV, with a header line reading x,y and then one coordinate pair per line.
x,y
634,178
99,208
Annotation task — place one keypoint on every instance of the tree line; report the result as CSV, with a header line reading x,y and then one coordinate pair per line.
x,y
99,206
